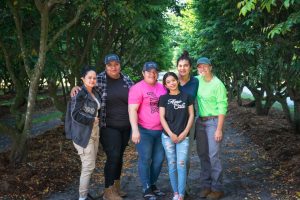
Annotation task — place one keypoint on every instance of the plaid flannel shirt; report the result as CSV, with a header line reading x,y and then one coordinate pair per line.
x,y
102,88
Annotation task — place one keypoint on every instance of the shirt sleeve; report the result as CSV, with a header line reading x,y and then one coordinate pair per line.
x,y
190,100
135,96
222,99
162,101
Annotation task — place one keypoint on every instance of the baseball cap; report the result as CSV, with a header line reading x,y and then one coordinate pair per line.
x,y
203,60
111,57
150,65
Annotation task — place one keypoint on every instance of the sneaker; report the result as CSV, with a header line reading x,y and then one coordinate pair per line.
x,y
204,192
157,191
175,197
215,195
149,195
181,197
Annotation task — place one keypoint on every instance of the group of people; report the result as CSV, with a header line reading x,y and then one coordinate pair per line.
x,y
161,121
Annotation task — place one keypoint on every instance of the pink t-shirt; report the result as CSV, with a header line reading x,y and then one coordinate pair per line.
x,y
147,96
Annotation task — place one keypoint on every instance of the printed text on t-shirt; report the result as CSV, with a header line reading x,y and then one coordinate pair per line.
x,y
176,103
153,102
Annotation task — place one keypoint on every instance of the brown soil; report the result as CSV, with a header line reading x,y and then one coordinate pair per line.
x,y
52,165
275,135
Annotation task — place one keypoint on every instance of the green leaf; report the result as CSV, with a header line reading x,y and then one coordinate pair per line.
x,y
286,3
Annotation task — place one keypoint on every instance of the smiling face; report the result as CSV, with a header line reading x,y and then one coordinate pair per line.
x,y
171,83
90,79
204,69
113,69
184,68
150,76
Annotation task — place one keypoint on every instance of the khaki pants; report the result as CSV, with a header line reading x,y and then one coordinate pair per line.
x,y
88,160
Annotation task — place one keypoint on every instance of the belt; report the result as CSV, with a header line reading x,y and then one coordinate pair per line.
x,y
208,118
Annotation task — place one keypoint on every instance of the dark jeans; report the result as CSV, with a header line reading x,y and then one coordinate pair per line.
x,y
114,142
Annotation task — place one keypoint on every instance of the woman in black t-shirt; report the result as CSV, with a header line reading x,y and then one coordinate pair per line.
x,y
177,116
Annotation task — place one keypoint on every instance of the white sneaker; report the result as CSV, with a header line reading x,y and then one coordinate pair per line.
x,y
175,197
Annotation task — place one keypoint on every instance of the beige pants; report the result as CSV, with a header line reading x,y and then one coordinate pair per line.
x,y
88,160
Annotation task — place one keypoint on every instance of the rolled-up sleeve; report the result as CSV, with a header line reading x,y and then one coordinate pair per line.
x,y
222,103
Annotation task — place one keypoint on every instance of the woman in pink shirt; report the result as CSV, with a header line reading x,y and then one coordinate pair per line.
x,y
147,129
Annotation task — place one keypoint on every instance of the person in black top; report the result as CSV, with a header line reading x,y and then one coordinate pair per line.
x,y
177,116
114,122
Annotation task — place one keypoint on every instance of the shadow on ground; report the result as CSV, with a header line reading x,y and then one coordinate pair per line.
x,y
248,174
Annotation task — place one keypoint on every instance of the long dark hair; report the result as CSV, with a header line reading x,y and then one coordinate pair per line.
x,y
185,56
169,74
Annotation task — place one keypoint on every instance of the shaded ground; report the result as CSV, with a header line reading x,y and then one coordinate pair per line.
x,y
251,171
42,108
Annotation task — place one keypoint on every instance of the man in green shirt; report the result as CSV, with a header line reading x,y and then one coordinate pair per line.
x,y
212,103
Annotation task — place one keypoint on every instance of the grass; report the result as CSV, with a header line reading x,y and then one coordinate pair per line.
x,y
276,105
47,117
8,102
247,96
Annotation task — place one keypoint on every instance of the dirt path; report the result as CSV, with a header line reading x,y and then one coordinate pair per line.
x,y
37,129
247,175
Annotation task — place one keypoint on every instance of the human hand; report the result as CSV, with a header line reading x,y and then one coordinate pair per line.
x,y
174,138
75,91
218,135
135,137
181,136
96,122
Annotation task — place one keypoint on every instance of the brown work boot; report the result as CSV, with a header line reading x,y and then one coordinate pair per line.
x,y
110,194
204,192
215,195
117,185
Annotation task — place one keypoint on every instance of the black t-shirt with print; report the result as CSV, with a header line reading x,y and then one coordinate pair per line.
x,y
176,110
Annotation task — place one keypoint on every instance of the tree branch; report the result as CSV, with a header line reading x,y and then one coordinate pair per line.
x,y
68,25
20,36
8,63
53,2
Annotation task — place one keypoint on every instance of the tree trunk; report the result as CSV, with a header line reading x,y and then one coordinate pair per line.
x,y
230,93
55,98
297,116
239,95
268,105
61,80
258,96
258,106
19,152
286,109
294,93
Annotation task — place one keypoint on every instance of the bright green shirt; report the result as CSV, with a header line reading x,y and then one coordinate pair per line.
x,y
211,97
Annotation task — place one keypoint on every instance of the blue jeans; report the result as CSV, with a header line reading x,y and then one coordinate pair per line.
x,y
151,156
208,151
177,156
